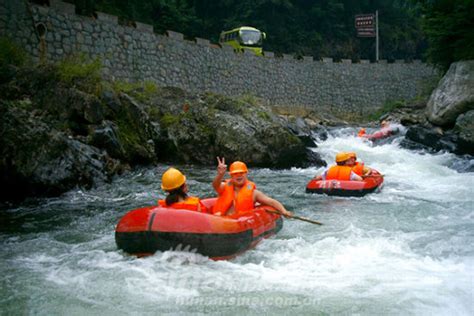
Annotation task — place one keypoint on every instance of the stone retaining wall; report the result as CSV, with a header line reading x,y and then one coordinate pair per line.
x,y
136,53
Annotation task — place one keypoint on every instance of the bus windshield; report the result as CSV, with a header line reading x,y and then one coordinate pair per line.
x,y
251,37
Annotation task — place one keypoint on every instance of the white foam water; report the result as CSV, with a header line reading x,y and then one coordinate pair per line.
x,y
406,250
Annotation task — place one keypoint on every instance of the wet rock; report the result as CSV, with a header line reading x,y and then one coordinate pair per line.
x,y
199,129
411,119
307,140
105,137
320,134
313,159
465,129
298,126
111,100
430,138
454,94
38,160
134,130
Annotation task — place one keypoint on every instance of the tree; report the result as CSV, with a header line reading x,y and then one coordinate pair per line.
x,y
449,27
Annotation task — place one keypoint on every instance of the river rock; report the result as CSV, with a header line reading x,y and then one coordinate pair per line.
x,y
136,133
454,94
199,128
465,129
430,138
105,136
301,127
37,159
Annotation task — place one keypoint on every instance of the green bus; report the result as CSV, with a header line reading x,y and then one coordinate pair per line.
x,y
244,38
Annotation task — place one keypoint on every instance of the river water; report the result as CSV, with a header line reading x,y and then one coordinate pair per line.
x,y
408,250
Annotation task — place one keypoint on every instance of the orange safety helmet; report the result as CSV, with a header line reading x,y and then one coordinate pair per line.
x,y
342,156
172,179
238,167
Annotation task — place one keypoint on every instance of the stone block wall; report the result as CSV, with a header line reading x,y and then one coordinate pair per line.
x,y
137,54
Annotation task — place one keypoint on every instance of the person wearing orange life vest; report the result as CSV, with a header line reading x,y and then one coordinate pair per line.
x,y
386,129
341,171
358,167
238,194
174,183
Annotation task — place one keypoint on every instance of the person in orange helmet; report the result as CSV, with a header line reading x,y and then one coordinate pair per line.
x,y
174,183
386,129
238,194
340,171
358,167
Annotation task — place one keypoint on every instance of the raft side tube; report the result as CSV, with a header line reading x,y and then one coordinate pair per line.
x,y
370,184
150,229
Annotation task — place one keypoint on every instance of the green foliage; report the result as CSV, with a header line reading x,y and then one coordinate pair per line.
x,y
388,107
80,71
168,120
142,91
449,26
250,99
11,54
263,115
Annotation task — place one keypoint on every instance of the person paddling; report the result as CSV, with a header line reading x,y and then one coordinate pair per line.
x,y
340,171
238,194
174,183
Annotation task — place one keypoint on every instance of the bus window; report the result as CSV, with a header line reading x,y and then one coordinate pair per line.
x,y
244,38
250,38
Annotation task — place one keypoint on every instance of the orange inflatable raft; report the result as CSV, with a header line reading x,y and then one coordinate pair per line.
x,y
149,229
370,184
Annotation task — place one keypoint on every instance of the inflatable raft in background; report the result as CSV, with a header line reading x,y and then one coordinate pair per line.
x,y
372,183
147,230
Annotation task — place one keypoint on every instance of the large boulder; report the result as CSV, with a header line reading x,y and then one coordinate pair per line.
x,y
137,135
434,139
37,159
465,129
454,94
198,128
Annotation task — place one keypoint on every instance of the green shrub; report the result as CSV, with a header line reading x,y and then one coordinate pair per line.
x,y
141,91
168,120
11,54
79,70
388,107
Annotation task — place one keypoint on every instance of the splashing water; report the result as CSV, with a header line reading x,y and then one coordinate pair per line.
x,y
406,250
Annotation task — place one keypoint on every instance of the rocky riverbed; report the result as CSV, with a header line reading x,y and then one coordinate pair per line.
x,y
62,126
446,121
58,132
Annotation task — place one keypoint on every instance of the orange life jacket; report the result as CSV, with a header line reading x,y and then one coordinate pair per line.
x,y
191,203
339,173
242,201
358,168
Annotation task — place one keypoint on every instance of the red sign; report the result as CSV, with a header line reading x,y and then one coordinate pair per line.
x,y
364,21
366,32
365,25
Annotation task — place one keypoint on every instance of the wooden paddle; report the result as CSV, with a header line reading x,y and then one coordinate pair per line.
x,y
304,219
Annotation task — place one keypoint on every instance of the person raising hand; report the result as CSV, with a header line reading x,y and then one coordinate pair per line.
x,y
238,194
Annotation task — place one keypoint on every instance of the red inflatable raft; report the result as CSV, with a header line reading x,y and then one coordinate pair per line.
x,y
370,184
146,230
